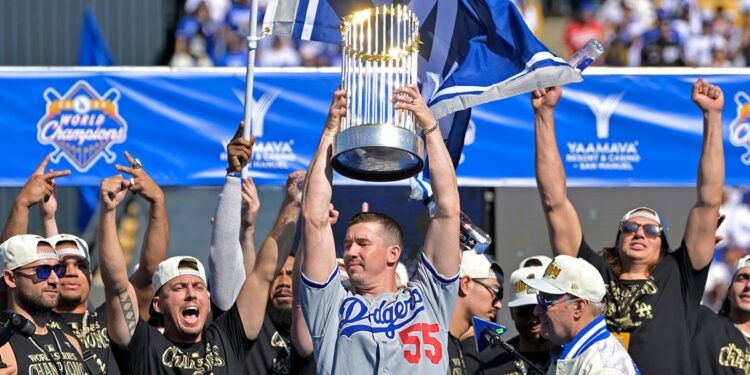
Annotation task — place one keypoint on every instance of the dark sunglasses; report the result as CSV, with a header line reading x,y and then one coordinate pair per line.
x,y
496,292
545,304
649,229
44,271
525,312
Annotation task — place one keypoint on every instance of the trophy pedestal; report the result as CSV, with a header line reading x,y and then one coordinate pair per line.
x,y
378,152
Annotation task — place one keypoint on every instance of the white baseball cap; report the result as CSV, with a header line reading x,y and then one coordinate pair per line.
x,y
521,294
742,263
21,250
646,212
81,250
480,266
175,267
570,275
535,261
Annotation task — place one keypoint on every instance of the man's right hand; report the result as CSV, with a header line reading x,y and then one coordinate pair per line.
x,y
140,181
250,202
48,206
295,183
113,191
333,215
545,99
40,185
239,150
336,112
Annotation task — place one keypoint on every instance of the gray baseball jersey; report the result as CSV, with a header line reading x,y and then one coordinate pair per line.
x,y
402,332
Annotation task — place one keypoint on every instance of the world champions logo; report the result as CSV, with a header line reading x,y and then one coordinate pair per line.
x,y
82,125
739,129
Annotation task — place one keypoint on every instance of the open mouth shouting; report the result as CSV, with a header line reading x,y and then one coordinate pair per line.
x,y
190,314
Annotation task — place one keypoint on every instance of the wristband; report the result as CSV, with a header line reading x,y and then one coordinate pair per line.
x,y
432,129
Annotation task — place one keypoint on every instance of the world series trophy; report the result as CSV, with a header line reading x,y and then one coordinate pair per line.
x,y
377,142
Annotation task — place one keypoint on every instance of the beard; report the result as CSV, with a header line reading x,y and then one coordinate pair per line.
x,y
69,302
281,318
35,303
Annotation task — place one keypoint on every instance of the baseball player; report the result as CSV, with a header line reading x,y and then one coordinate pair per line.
x,y
378,328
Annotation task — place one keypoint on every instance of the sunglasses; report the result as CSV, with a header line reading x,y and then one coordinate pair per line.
x,y
631,227
44,271
545,304
497,293
525,312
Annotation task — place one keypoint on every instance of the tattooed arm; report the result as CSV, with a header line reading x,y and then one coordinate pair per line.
x,y
122,305
156,239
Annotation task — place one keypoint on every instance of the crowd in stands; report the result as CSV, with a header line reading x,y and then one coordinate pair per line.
x,y
214,33
699,33
734,244
703,33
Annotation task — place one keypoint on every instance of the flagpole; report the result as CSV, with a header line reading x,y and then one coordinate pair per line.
x,y
252,45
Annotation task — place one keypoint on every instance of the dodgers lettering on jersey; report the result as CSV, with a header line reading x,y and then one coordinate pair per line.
x,y
397,332
386,318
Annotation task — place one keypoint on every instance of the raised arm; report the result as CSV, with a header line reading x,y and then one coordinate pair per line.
x,y
702,220
225,255
156,240
48,211
441,245
563,226
122,303
320,258
38,188
250,208
253,297
300,332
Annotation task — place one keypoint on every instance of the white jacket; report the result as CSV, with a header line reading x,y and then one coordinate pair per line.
x,y
594,351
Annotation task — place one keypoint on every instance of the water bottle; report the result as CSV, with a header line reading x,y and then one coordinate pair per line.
x,y
586,55
473,237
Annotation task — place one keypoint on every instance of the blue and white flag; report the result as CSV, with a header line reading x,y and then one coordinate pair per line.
x,y
472,52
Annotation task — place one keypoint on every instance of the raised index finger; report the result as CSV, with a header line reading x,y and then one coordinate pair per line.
x,y
42,166
55,174
125,169
240,130
130,158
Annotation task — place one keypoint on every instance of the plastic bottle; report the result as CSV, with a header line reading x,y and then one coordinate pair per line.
x,y
473,237
586,55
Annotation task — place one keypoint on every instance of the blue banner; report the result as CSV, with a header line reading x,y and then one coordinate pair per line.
x,y
613,129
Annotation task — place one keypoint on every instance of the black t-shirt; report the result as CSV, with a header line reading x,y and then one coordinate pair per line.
x,y
91,331
658,314
496,360
273,354
43,354
718,346
221,351
462,356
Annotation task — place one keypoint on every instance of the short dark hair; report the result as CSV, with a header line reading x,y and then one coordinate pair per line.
x,y
390,226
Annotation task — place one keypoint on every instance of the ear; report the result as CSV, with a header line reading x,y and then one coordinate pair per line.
x,y
10,280
156,303
579,308
464,285
394,252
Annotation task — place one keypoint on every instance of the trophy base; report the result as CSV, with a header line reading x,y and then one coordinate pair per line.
x,y
378,152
